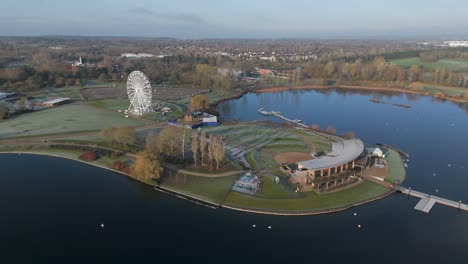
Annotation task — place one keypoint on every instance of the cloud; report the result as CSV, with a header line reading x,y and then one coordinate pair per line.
x,y
183,17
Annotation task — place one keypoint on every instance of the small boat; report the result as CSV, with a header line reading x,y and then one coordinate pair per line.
x,y
298,121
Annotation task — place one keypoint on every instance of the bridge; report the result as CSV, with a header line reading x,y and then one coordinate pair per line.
x,y
428,201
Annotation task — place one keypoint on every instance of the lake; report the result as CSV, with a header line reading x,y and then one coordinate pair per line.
x,y
53,208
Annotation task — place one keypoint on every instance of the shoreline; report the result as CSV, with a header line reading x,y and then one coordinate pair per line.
x,y
205,203
355,87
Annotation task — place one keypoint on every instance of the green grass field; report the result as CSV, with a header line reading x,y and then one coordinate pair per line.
x,y
208,189
396,170
447,64
63,119
307,202
122,104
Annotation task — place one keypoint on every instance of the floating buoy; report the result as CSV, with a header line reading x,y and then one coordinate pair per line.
x,y
449,165
269,227
359,226
355,213
437,191
102,225
253,225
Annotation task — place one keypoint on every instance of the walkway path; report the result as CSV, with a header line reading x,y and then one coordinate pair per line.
x,y
430,198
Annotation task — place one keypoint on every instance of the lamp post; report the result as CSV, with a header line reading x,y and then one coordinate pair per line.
x,y
459,206
409,192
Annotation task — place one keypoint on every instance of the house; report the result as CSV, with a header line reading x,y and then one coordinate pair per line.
x,y
375,152
55,102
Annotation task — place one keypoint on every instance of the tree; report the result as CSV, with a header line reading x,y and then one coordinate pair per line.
x,y
125,136
349,135
210,149
195,145
315,127
200,102
330,69
3,112
172,139
21,103
203,143
107,134
151,144
218,149
147,166
331,130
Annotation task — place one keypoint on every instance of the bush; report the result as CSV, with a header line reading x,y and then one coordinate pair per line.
x,y
89,156
439,95
122,166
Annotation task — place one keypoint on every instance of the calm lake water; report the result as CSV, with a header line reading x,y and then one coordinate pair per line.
x,y
53,208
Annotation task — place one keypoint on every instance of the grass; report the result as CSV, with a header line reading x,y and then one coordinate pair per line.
x,y
396,170
122,104
209,189
447,63
103,161
72,92
448,90
308,202
63,119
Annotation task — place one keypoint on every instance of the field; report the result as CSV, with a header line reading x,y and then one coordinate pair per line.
x,y
306,202
396,170
169,93
122,104
63,119
447,64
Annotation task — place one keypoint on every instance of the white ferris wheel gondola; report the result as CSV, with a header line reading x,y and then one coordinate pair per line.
x,y
139,93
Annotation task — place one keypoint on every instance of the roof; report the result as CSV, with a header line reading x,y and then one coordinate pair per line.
x,y
342,152
374,150
58,100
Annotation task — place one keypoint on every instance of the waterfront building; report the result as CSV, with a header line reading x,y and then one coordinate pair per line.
x,y
337,168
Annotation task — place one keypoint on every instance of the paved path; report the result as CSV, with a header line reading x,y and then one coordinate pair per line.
x,y
209,175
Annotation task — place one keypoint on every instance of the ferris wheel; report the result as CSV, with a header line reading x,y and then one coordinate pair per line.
x,y
139,92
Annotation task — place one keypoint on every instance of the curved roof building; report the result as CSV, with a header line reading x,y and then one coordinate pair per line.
x,y
342,152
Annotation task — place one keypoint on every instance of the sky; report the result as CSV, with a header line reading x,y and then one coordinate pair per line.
x,y
236,18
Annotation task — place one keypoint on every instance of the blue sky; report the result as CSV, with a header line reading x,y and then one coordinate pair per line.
x,y
236,18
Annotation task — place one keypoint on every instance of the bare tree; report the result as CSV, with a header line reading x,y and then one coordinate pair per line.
x,y
210,150
125,136
203,144
331,130
107,134
195,146
218,150
151,143
172,139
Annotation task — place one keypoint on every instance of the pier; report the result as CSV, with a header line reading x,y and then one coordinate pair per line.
x,y
278,115
428,201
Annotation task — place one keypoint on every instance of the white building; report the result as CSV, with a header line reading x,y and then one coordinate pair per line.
x,y
456,43
78,63
136,56
375,152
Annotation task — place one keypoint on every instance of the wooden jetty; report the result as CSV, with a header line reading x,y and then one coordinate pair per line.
x,y
278,115
428,201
